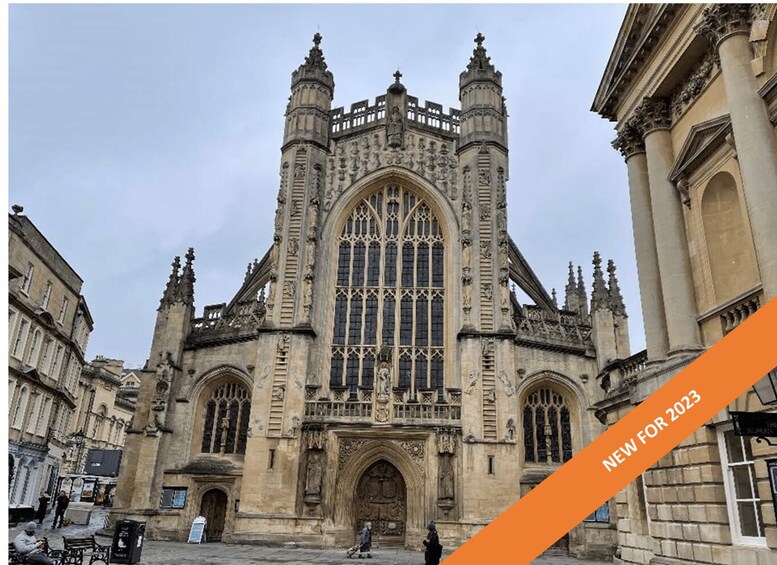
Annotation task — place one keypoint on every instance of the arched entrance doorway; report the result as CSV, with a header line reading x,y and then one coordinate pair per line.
x,y
381,498
214,509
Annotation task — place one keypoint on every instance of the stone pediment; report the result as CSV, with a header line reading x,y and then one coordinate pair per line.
x,y
641,30
702,141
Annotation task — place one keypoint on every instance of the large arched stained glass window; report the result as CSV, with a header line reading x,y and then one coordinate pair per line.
x,y
227,412
547,432
389,293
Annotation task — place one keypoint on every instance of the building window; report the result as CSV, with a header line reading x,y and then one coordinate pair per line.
x,y
744,504
63,311
601,515
32,355
45,360
43,418
27,281
21,339
21,406
32,422
173,497
546,425
491,465
226,419
46,295
389,293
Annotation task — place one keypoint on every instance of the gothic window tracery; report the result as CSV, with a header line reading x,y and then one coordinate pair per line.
x,y
227,412
547,428
389,292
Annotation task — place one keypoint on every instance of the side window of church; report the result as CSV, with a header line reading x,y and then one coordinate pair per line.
x,y
389,293
547,431
744,503
173,497
601,514
227,413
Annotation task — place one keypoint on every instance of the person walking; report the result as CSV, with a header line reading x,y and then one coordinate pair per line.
x,y
30,547
59,511
43,504
365,541
433,551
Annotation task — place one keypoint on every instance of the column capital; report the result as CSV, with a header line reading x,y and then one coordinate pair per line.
x,y
720,21
652,114
629,142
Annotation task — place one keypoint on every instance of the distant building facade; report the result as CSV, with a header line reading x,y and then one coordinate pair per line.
x,y
693,91
376,363
48,327
105,407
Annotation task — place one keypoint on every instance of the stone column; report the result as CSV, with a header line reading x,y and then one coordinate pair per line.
x,y
674,264
728,26
631,145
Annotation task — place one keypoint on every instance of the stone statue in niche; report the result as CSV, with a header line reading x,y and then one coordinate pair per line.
x,y
314,478
383,389
446,483
511,429
396,128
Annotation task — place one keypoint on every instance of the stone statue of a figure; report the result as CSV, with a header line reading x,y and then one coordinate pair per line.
x,y
383,388
314,477
395,128
446,478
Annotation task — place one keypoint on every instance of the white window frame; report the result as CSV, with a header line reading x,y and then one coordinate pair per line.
x,y
56,360
32,422
13,315
37,336
730,490
43,417
20,343
27,281
45,360
47,295
21,405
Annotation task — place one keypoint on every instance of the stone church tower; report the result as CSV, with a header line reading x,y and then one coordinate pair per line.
x,y
376,363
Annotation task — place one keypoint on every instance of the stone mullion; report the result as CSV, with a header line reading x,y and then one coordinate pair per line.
x,y
728,26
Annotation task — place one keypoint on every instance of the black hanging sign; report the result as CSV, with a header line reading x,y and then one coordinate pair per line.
x,y
755,424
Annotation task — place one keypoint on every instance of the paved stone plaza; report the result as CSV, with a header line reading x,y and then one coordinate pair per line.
x,y
173,553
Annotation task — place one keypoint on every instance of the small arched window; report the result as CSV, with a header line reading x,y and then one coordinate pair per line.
x,y
225,428
32,355
547,432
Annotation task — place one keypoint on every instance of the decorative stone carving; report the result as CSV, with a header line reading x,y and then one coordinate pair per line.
x,y
295,423
473,379
684,95
446,441
293,246
279,392
629,141
720,21
510,431
315,437
485,249
683,187
414,448
314,478
262,376
484,177
446,490
349,447
505,380
653,114
487,291
395,129
290,288
299,170
490,395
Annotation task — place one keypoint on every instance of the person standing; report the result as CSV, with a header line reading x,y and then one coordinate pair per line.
x,y
59,511
43,505
365,540
30,547
433,551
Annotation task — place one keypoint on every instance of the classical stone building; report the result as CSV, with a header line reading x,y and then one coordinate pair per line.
x,y
693,89
376,363
48,329
105,407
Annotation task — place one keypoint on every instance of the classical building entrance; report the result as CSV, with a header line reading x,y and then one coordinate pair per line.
x,y
381,498
214,509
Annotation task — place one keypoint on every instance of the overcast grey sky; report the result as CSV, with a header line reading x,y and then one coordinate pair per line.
x,y
139,130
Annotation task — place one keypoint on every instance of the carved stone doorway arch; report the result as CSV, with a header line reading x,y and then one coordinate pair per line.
x,y
381,498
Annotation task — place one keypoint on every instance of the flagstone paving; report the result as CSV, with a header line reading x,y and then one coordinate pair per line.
x,y
174,553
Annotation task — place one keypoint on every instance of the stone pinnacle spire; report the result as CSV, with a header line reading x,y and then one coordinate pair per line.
x,y
186,286
582,294
599,296
570,291
314,68
168,297
616,299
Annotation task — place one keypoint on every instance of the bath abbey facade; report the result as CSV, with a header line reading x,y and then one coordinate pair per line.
x,y
377,363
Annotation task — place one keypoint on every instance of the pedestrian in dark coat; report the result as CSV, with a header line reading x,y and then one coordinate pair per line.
x,y
365,540
433,551
43,505
59,510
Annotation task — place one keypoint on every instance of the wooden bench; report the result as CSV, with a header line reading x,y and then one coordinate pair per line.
x,y
77,550
16,558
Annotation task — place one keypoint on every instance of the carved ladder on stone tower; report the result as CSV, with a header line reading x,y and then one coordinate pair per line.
x,y
489,391
296,212
275,420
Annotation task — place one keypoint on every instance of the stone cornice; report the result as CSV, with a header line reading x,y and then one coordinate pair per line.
x,y
721,21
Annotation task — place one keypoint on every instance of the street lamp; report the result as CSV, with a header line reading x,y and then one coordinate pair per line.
x,y
78,440
766,388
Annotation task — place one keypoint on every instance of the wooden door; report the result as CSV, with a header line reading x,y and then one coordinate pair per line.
x,y
214,509
381,499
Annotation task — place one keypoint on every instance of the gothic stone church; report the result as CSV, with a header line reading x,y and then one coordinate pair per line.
x,y
377,363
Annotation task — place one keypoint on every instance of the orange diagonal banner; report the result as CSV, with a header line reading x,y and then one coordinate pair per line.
x,y
628,448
